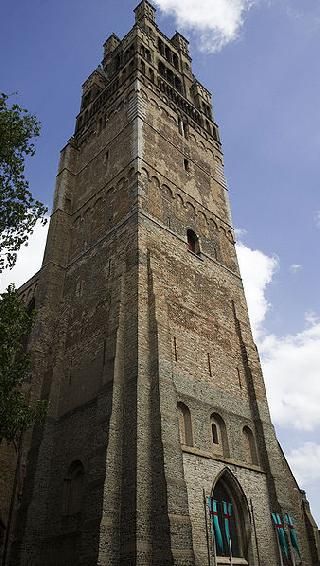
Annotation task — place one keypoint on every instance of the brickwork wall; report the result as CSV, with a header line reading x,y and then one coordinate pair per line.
x,y
203,298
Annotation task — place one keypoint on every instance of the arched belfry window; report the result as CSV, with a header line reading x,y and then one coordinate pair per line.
x,y
73,489
185,424
219,438
229,517
193,242
249,446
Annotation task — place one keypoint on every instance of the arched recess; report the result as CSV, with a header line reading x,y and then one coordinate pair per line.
x,y
230,517
73,489
185,424
249,446
219,437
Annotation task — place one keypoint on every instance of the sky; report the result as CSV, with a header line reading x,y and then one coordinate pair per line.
x,y
260,59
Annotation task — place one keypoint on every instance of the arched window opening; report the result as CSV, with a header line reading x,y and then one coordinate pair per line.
x,y
186,165
73,489
193,242
185,425
31,306
161,46
219,437
186,129
2,533
170,76
183,127
175,60
249,446
118,61
178,83
162,69
229,515
215,134
168,54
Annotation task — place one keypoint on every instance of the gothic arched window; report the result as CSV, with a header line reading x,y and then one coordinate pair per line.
x,y
193,242
73,489
31,306
219,437
185,424
249,446
229,518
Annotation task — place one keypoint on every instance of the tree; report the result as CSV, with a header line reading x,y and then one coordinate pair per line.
x,y
16,413
19,211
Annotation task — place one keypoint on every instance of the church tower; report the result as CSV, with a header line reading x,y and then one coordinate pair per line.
x,y
158,447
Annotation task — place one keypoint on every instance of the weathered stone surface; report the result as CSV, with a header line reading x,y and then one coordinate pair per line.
x,y
131,321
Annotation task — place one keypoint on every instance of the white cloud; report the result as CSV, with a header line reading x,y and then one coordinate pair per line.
x,y
257,270
240,233
29,259
305,462
291,363
217,22
292,373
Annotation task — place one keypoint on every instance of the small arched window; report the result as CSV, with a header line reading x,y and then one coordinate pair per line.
x,y
185,425
193,242
73,489
219,437
249,446
31,306
175,60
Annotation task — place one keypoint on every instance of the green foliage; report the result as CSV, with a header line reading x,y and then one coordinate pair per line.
x,y
16,414
19,211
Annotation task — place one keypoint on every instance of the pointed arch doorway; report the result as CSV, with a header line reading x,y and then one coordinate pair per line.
x,y
230,520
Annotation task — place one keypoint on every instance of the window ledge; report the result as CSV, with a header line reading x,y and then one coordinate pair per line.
x,y
226,560
198,256
220,458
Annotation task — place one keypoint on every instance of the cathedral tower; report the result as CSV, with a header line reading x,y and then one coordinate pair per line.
x,y
158,447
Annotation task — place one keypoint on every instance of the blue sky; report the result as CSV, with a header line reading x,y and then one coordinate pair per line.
x,y
262,65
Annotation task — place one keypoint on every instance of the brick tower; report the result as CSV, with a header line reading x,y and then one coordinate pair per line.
x,y
158,447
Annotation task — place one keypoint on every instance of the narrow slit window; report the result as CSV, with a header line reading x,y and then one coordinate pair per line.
x,y
239,378
186,130
104,352
175,349
186,164
185,425
214,431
